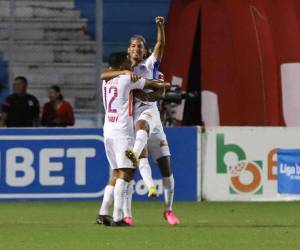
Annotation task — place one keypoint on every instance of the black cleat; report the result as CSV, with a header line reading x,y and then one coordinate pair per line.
x,y
112,223
102,219
120,223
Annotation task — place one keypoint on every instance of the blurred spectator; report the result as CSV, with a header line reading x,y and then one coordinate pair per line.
x,y
20,109
57,112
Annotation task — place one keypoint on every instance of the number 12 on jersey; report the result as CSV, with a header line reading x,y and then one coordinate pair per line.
x,y
110,95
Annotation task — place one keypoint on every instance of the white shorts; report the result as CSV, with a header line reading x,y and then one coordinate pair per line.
x,y
157,142
115,152
148,113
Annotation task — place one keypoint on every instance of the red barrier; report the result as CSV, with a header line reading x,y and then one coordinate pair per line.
x,y
181,30
243,44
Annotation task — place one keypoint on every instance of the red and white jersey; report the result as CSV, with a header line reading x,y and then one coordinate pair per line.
x,y
117,100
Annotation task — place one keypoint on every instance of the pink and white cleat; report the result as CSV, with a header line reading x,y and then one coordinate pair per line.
x,y
171,218
128,220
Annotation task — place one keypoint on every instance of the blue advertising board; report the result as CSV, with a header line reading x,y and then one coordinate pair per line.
x,y
288,171
39,164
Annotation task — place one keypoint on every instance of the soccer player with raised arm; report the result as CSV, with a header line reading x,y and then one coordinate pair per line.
x,y
149,129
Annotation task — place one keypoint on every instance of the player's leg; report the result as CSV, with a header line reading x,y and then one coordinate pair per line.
x,y
124,177
103,214
164,164
108,199
146,173
144,124
141,137
127,207
160,152
144,121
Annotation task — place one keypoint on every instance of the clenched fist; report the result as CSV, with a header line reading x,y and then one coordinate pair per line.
x,y
159,20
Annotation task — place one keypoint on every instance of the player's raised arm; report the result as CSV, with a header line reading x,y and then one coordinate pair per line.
x,y
161,39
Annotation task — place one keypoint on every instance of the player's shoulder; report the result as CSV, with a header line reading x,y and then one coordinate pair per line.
x,y
125,80
151,59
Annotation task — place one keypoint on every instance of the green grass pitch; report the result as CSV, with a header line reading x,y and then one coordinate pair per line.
x,y
71,225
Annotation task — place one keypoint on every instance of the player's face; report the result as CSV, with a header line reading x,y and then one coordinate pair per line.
x,y
19,87
53,95
136,50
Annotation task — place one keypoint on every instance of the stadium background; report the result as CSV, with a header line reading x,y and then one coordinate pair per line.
x,y
237,65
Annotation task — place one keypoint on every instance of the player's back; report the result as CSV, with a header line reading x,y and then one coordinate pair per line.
x,y
117,99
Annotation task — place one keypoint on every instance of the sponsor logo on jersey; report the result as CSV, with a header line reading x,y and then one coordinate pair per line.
x,y
148,114
163,143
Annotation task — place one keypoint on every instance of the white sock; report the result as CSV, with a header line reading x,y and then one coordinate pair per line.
x,y
146,172
168,184
127,200
107,201
119,194
141,138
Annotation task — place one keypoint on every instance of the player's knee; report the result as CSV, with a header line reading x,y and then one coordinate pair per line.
x,y
142,124
164,164
126,174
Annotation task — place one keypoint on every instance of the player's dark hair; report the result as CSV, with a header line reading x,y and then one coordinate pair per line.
x,y
116,59
149,51
138,37
23,79
57,90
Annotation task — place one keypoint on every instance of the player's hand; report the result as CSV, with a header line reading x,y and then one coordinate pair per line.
x,y
161,76
159,20
134,77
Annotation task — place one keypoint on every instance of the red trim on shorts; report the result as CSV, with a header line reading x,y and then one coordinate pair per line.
x,y
130,103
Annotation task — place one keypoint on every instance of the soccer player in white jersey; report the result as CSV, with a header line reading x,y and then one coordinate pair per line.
x,y
118,129
148,125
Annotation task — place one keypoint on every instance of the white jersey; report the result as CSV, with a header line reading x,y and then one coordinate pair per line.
x,y
117,100
148,69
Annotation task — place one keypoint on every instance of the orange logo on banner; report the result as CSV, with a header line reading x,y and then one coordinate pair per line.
x,y
236,172
272,164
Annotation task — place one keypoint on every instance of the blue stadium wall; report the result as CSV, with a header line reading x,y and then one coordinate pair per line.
x,y
121,20
64,164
